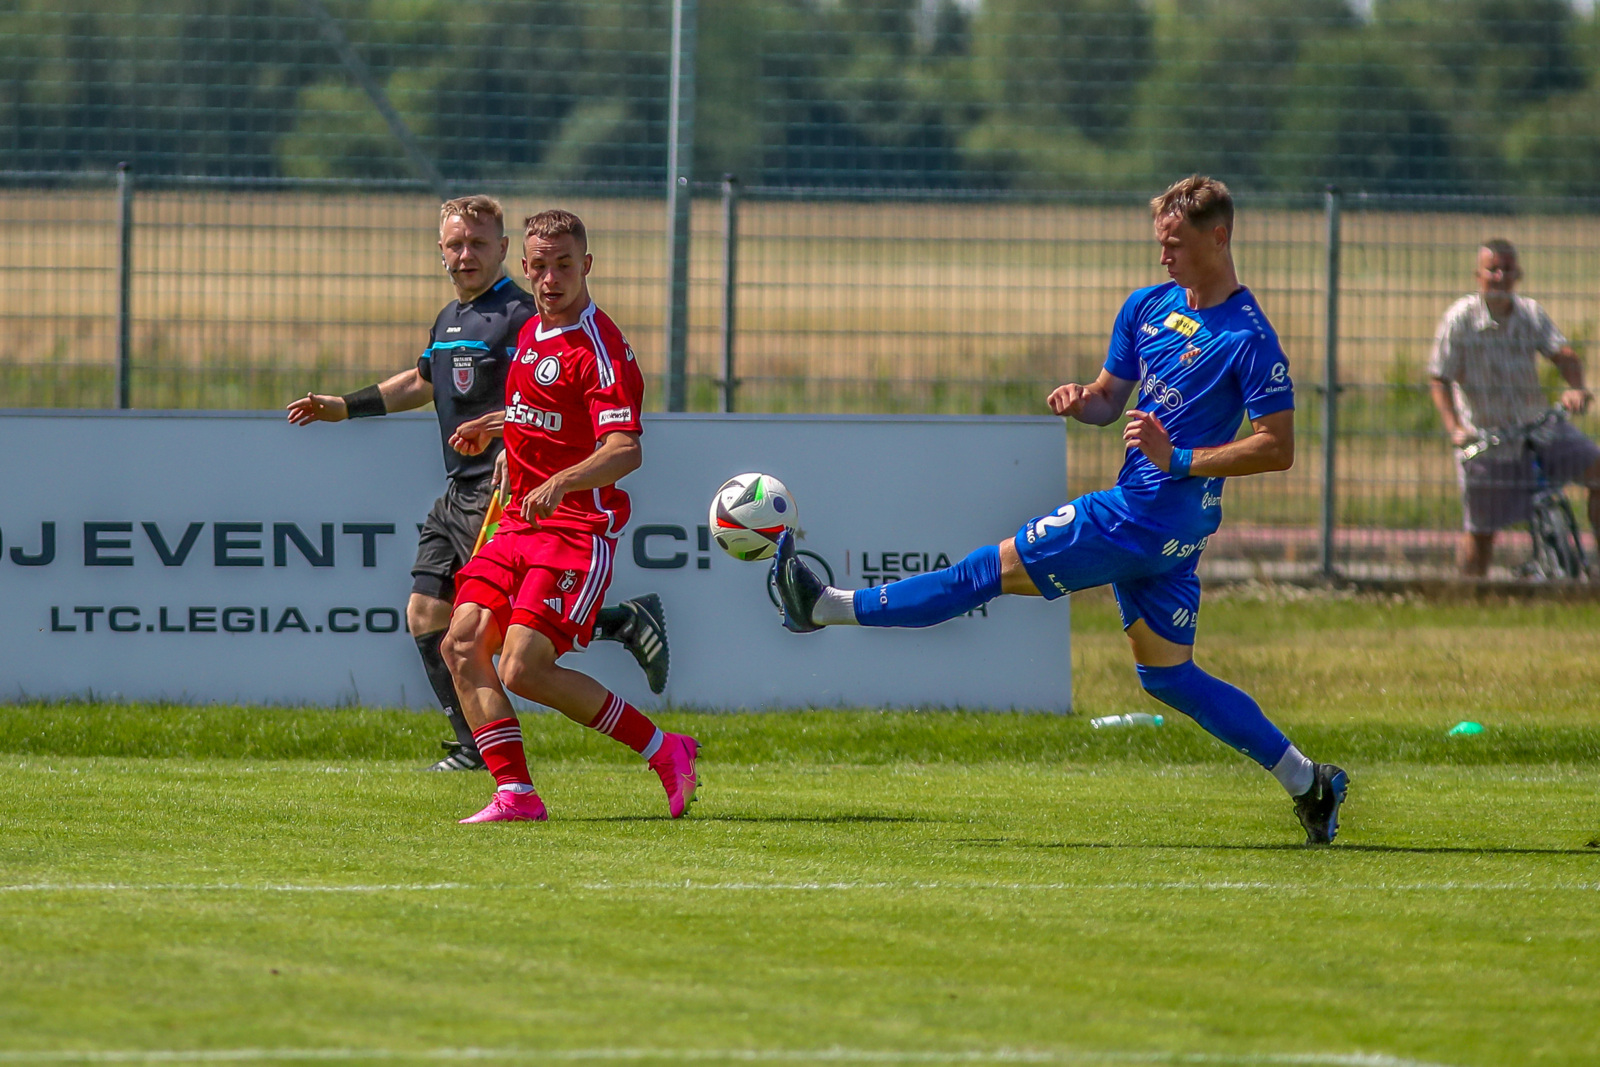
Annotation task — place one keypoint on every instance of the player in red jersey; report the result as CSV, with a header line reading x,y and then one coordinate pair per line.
x,y
571,426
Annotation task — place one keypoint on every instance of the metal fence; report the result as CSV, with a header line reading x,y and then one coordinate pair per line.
x,y
242,298
1427,96
933,215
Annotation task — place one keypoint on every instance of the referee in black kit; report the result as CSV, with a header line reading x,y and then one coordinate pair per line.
x,y
463,371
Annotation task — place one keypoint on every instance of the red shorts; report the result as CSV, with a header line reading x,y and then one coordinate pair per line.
x,y
551,580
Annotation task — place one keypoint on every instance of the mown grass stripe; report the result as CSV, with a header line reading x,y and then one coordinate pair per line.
x,y
121,887
833,738
828,1055
833,887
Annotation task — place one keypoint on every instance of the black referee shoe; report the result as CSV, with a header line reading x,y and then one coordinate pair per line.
x,y
642,630
1318,807
459,758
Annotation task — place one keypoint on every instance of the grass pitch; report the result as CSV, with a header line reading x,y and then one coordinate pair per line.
x,y
852,887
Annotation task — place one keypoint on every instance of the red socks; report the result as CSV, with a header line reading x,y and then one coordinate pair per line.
x,y
623,722
500,745
500,742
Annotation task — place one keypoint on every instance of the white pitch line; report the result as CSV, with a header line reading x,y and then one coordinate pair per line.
x,y
827,1055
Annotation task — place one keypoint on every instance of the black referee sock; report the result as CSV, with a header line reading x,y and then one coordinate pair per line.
x,y
444,687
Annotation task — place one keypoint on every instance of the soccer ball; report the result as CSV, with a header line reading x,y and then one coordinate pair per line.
x,y
749,512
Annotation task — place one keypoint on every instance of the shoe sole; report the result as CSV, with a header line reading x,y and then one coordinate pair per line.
x,y
1339,785
447,765
691,794
785,557
659,617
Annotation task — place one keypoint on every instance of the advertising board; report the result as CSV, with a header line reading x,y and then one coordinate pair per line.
x,y
232,557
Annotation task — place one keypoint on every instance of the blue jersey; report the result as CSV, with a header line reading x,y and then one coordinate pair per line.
x,y
1199,372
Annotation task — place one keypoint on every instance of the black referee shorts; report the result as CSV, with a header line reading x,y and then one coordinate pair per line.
x,y
448,535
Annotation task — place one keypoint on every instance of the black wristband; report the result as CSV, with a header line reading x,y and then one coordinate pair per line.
x,y
365,403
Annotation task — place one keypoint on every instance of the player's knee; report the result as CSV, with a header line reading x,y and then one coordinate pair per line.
x,y
426,614
527,676
1160,681
466,640
455,650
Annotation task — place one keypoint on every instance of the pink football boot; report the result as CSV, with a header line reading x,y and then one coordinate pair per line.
x,y
511,807
674,763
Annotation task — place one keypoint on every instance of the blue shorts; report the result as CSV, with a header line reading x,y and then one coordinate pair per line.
x,y
1151,570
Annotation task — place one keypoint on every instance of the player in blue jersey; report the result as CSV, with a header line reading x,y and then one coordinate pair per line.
x,y
1203,356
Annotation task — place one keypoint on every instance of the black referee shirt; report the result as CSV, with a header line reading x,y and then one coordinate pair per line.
x,y
469,349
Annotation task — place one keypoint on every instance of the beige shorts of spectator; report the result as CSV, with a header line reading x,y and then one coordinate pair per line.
x,y
1496,486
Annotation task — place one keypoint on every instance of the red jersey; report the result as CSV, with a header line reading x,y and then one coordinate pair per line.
x,y
566,389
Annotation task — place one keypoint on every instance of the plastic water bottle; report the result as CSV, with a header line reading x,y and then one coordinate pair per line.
x,y
1137,718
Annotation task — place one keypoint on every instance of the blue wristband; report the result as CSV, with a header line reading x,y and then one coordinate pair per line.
x,y
1181,458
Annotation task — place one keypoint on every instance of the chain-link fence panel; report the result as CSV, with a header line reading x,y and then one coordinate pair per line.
x,y
1426,96
933,206
870,304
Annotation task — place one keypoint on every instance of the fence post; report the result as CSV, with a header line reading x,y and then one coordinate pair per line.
x,y
680,145
124,286
1330,382
730,274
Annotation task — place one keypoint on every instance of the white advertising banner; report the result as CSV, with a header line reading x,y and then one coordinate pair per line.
x,y
236,558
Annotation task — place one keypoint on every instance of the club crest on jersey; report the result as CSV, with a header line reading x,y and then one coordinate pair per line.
x,y
1182,323
1190,354
548,370
567,581
463,373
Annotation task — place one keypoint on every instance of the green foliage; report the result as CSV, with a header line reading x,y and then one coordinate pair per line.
x,y
1056,83
1486,62
1554,149
1356,116
1469,96
1224,68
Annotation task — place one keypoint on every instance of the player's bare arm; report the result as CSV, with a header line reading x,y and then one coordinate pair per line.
x,y
1444,400
1097,404
1269,447
1576,397
499,481
473,436
403,392
618,456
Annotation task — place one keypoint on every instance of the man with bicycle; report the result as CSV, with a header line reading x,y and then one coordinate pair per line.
x,y
1485,383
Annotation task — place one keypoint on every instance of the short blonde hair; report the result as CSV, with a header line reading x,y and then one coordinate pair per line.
x,y
478,207
1201,201
555,223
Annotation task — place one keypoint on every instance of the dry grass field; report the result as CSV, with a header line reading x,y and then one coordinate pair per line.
x,y
245,299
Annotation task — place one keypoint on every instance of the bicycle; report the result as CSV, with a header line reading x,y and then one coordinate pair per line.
x,y
1557,546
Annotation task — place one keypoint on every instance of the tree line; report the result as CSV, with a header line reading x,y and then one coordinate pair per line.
x,y
1423,96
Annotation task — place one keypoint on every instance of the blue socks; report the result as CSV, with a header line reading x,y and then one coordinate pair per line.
x,y
926,599
1224,712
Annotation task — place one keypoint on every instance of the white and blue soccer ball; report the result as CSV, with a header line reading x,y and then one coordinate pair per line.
x,y
748,514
